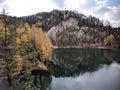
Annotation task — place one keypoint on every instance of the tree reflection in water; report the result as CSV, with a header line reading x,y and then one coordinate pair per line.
x,y
67,63
74,62
42,79
38,80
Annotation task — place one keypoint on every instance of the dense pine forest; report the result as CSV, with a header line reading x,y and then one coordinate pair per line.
x,y
73,29
22,48
26,43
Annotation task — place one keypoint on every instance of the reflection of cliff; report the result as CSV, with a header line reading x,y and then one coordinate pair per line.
x,y
67,62
109,55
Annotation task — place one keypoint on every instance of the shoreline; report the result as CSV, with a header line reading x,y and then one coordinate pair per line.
x,y
80,47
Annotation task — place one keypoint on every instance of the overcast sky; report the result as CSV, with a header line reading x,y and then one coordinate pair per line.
x,y
103,9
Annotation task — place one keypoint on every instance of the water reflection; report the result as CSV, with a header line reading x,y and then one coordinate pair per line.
x,y
85,69
75,69
81,69
106,78
43,80
72,62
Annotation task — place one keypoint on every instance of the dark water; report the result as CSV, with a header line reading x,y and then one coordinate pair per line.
x,y
77,69
83,69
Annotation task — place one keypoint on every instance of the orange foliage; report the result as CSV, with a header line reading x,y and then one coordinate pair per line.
x,y
42,42
18,41
25,34
19,60
109,40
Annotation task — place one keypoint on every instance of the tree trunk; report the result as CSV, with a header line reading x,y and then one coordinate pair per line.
x,y
9,79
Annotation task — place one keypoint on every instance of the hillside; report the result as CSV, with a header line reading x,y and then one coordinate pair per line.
x,y
71,29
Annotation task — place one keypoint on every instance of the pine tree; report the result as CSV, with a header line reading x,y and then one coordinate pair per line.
x,y
7,47
26,54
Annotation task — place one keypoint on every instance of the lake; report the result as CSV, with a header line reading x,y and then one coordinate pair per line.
x,y
83,69
78,69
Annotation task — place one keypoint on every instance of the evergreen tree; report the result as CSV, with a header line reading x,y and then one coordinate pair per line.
x,y
7,47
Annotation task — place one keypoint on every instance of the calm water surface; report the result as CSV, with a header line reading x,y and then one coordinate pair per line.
x,y
85,69
78,69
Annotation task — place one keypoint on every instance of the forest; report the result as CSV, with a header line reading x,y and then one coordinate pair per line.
x,y
28,41
21,48
72,29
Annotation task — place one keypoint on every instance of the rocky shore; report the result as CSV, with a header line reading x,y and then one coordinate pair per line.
x,y
99,46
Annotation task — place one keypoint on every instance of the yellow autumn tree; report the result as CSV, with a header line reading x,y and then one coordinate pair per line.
x,y
18,41
48,44
29,30
42,42
109,41
2,30
43,53
39,40
25,45
105,42
19,61
39,24
8,46
1,25
20,30
24,33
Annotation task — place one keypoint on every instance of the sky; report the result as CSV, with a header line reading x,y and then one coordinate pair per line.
x,y
102,9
